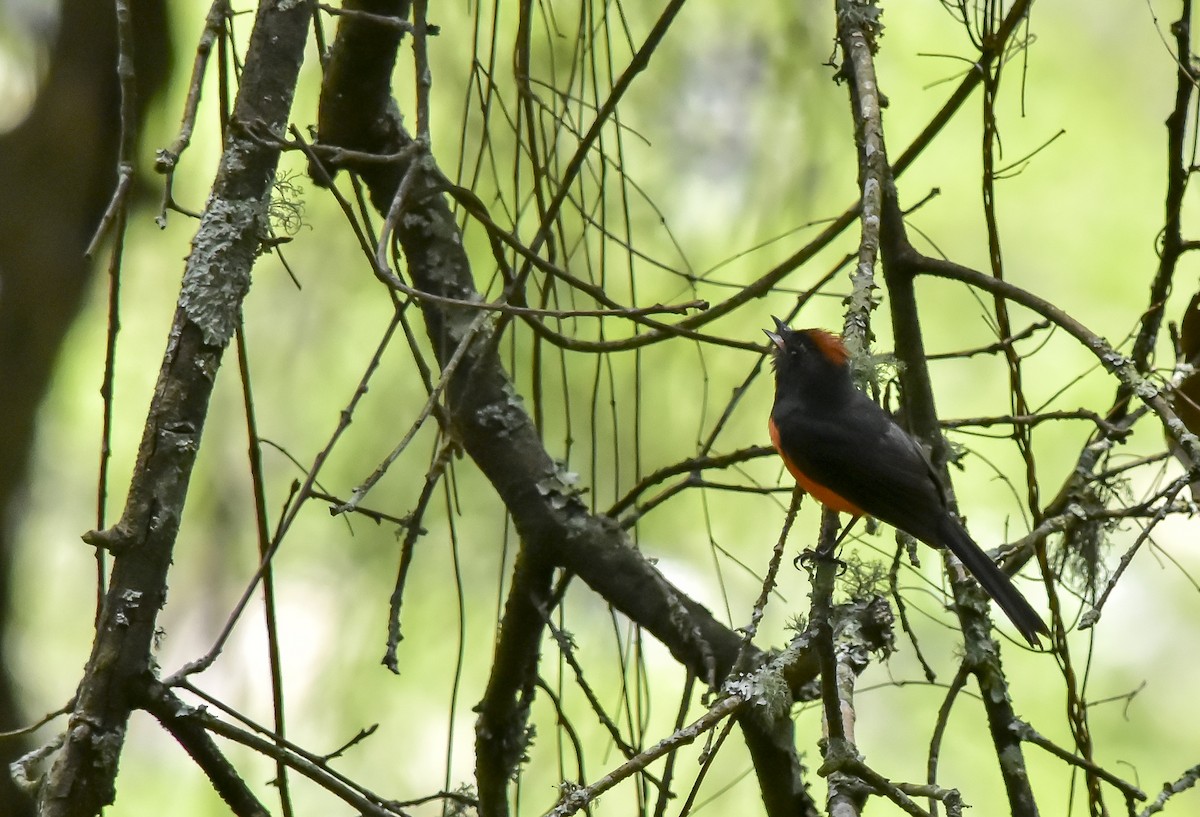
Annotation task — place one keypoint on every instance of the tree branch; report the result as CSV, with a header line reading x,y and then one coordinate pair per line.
x,y
216,279
495,430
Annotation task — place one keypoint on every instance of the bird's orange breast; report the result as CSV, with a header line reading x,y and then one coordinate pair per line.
x,y
827,497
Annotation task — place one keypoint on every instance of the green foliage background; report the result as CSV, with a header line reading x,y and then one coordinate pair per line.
x,y
739,137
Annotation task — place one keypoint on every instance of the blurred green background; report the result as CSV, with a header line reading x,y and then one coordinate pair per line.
x,y
739,143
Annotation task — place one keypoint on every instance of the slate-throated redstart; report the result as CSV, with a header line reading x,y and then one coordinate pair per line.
x,y
851,456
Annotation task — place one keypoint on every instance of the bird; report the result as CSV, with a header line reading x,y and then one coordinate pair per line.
x,y
849,454
1185,398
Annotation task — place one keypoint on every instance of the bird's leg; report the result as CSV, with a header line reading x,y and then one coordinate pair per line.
x,y
845,532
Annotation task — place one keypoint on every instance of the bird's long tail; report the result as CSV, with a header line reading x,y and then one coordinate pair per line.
x,y
994,581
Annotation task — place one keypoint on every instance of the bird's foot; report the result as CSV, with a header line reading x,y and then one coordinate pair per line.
x,y
808,559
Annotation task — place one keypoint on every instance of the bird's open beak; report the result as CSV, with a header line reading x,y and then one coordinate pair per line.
x,y
776,336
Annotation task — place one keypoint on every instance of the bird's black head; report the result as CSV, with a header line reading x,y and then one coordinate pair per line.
x,y
807,357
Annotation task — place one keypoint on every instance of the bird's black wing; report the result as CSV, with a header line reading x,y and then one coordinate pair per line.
x,y
875,465
870,461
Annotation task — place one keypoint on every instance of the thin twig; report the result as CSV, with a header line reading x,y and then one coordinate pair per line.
x,y
168,158
1184,782
1031,735
358,14
579,798
127,76
768,585
447,375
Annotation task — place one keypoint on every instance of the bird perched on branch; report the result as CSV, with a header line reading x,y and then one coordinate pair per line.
x,y
849,454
